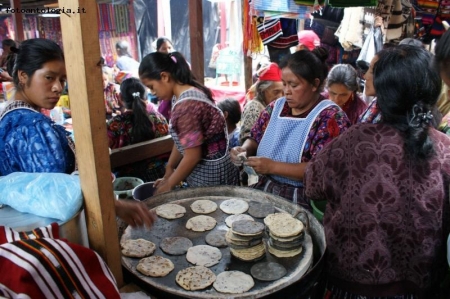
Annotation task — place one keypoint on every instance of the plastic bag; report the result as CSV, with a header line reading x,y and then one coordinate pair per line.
x,y
372,45
53,195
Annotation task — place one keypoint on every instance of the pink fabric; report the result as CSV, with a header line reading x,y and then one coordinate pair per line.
x,y
222,92
309,39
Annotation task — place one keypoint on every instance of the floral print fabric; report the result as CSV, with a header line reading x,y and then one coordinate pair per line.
x,y
385,220
249,117
119,128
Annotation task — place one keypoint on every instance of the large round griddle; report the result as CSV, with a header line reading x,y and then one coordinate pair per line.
x,y
295,266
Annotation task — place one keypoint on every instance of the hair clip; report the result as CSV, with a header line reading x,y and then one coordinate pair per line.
x,y
135,94
173,57
420,117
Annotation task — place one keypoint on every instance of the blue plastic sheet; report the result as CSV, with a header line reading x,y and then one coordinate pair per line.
x,y
53,195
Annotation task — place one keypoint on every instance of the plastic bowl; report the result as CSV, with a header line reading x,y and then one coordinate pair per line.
x,y
124,186
144,191
318,209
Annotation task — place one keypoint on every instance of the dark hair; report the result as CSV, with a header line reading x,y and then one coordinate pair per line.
x,y
442,54
309,65
174,63
161,41
343,74
32,55
407,88
411,41
122,48
233,108
133,94
8,43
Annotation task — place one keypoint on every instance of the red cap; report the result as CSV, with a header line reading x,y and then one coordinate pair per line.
x,y
309,39
270,73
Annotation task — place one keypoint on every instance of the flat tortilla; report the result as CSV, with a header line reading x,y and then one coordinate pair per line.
x,y
203,206
155,266
260,210
233,282
247,228
283,225
170,211
268,271
175,245
232,218
203,255
138,248
195,278
201,223
216,239
234,206
283,253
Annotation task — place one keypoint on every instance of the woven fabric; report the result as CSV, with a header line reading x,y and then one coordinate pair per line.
x,y
8,235
51,268
217,171
291,193
288,133
36,264
270,30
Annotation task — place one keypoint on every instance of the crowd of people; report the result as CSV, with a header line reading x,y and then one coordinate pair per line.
x,y
383,169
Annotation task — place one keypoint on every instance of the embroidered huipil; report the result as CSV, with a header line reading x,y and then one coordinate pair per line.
x,y
385,221
32,142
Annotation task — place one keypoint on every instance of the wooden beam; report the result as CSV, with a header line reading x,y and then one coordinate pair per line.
x,y
82,54
196,39
248,61
18,21
141,151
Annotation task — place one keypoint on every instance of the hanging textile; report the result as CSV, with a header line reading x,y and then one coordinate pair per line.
x,y
269,30
432,14
115,25
352,3
279,8
289,36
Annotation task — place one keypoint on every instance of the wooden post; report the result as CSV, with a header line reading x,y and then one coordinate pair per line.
x,y
82,54
196,38
248,61
17,20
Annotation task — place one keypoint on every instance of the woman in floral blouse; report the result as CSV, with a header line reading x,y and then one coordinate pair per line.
x,y
293,129
137,125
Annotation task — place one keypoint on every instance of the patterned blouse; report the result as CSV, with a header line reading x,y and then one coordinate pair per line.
x,y
330,123
200,124
250,115
120,127
372,115
353,107
384,220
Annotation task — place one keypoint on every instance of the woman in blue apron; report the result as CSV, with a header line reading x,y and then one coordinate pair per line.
x,y
200,154
294,128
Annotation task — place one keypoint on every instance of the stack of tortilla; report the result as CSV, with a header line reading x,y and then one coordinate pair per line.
x,y
286,235
245,240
